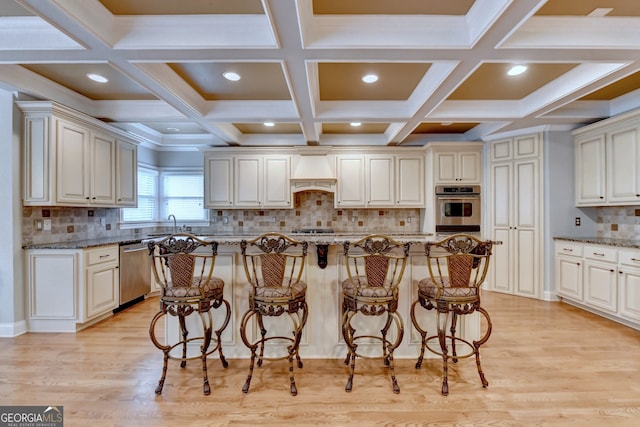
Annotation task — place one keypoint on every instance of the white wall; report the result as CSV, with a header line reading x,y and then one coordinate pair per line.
x,y
12,286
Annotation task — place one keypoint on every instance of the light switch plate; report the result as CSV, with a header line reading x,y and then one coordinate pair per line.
x,y
47,225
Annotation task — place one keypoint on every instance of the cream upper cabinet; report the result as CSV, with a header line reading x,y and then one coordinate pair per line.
x,y
218,181
590,170
86,166
351,181
458,166
73,160
247,181
277,185
607,157
381,180
126,174
515,216
410,180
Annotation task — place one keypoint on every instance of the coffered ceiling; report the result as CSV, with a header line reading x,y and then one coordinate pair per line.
x,y
441,67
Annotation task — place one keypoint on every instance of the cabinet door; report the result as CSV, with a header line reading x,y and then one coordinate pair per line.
x,y
101,293
590,170
102,170
500,221
629,293
469,167
623,169
218,182
600,285
350,186
126,174
248,182
446,167
52,299
526,200
277,187
380,181
410,181
569,277
72,164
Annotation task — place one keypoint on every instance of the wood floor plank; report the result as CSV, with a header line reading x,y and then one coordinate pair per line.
x,y
547,363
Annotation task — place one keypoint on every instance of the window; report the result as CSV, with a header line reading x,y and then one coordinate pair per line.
x,y
164,192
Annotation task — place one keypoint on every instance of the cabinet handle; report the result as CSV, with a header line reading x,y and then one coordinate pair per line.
x,y
635,259
104,256
567,249
597,254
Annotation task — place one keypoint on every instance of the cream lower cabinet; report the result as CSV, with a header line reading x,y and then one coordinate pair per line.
x,y
71,289
569,270
515,216
599,278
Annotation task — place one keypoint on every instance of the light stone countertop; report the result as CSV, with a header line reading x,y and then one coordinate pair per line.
x,y
607,241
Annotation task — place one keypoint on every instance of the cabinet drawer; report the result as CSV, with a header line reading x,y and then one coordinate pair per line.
x,y
102,255
630,257
601,253
568,248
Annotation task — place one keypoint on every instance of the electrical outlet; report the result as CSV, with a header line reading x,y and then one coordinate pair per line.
x,y
38,224
103,221
225,220
46,225
273,219
408,220
577,221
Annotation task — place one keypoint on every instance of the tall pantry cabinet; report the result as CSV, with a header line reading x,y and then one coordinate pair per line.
x,y
528,199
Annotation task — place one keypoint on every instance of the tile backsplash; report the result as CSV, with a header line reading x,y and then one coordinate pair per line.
x,y
312,209
618,222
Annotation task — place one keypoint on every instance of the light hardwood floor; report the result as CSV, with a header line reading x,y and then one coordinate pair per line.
x,y
547,364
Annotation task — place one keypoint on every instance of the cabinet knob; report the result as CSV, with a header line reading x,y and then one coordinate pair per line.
x,y
577,263
87,197
612,271
602,197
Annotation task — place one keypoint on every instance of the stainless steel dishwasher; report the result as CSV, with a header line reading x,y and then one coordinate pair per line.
x,y
135,272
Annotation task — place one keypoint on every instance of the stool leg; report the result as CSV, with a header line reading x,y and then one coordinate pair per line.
x,y
477,344
219,331
165,349
442,337
185,334
252,347
454,322
207,329
263,333
383,332
392,346
423,334
348,333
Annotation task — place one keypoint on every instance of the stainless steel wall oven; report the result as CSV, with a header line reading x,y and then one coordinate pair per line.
x,y
458,209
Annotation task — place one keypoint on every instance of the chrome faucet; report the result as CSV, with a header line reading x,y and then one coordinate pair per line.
x,y
175,226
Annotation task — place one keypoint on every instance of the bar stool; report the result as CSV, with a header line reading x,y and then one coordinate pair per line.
x,y
457,268
375,266
274,264
183,265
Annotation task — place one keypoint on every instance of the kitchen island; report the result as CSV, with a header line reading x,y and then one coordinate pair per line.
x,y
322,337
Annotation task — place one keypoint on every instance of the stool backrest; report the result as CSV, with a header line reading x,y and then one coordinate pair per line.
x,y
182,260
378,259
459,260
273,260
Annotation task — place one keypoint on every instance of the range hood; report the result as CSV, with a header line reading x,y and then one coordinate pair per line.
x,y
313,172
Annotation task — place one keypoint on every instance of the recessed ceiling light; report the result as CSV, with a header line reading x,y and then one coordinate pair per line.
x,y
230,75
269,124
173,129
97,78
356,124
370,78
516,70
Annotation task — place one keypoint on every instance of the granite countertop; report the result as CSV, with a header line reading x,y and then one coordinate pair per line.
x,y
235,239
607,241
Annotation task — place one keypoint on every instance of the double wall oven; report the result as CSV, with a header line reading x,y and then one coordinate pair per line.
x,y
458,209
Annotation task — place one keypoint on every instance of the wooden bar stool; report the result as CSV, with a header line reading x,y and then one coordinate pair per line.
x,y
274,264
457,268
375,266
183,265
